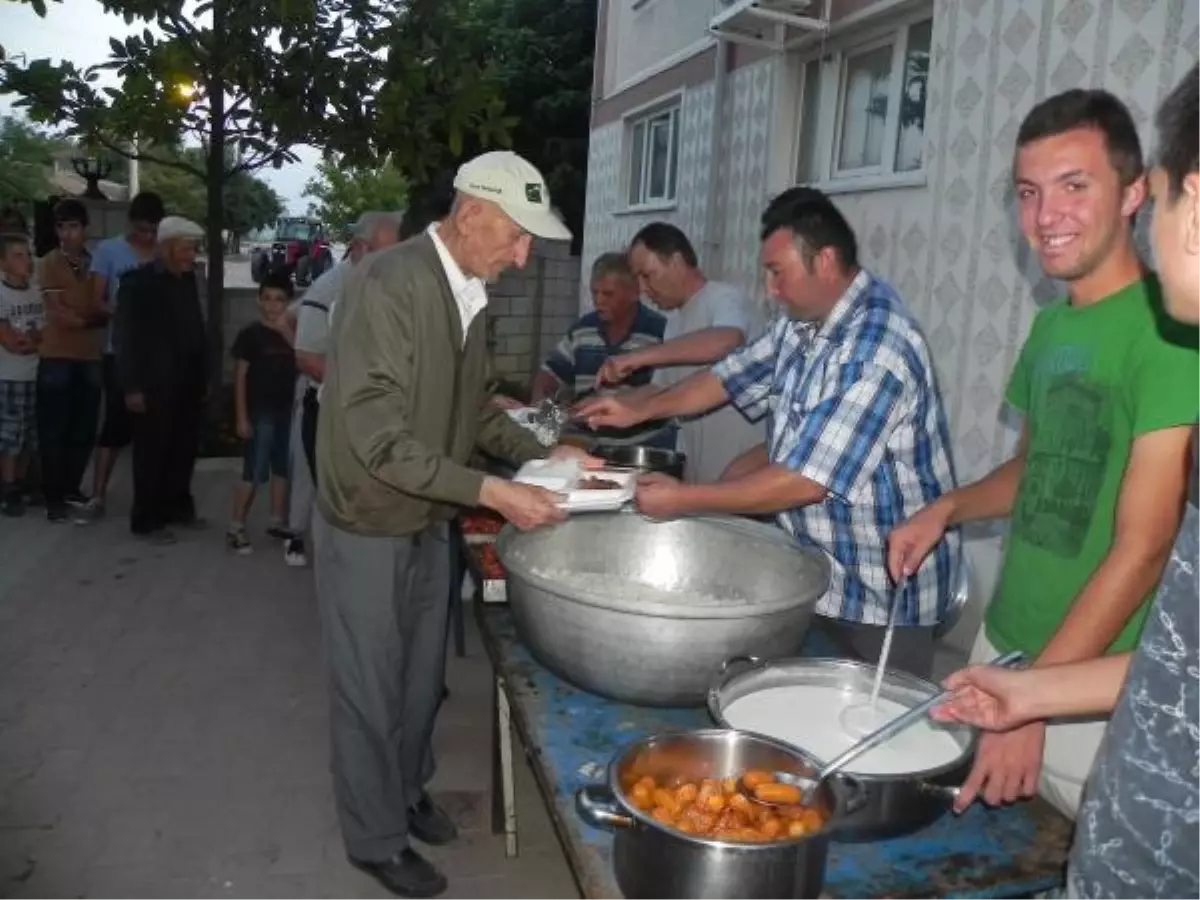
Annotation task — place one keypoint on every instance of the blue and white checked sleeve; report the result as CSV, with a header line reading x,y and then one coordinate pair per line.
x,y
748,373
561,361
841,434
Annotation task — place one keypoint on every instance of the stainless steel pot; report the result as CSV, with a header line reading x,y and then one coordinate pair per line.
x,y
886,805
662,648
649,459
653,860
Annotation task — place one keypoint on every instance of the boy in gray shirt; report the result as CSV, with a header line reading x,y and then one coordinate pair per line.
x,y
21,318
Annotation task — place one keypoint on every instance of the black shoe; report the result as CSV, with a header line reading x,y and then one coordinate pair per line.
x,y
77,500
160,537
430,825
56,513
407,874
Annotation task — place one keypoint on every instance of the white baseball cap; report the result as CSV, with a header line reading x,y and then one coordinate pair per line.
x,y
516,187
178,227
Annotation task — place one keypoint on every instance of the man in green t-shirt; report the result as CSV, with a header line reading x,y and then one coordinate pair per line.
x,y
1097,486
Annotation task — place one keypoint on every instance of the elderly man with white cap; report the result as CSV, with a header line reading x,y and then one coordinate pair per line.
x,y
162,369
372,232
404,404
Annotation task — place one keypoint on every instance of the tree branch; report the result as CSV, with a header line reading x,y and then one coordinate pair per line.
x,y
147,157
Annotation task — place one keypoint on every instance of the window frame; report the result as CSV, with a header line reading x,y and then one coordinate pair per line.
x,y
648,117
833,65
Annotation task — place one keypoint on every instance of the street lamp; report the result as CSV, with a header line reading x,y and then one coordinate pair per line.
x,y
92,169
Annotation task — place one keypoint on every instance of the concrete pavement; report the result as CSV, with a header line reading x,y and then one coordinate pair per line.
x,y
163,726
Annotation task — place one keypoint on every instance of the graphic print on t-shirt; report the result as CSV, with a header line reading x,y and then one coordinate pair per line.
x,y
1066,465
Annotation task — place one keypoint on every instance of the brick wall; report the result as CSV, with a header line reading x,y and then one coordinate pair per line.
x,y
531,309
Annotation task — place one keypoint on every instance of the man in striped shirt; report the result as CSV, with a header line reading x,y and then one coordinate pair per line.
x,y
856,433
619,324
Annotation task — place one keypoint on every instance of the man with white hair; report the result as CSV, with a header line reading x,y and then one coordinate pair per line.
x,y
162,370
373,231
405,402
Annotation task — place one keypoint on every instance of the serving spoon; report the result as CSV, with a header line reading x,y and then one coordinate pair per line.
x,y
807,786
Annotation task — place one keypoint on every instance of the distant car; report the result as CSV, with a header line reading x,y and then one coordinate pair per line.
x,y
300,248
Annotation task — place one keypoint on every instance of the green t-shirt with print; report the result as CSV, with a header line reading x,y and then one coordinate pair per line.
x,y
1090,381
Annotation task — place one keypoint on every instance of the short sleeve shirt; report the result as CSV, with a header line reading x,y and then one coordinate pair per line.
x,y
1090,381
112,259
712,441
271,372
23,309
853,405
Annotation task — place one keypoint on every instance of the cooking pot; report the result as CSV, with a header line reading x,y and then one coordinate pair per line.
x,y
645,612
651,859
886,805
648,459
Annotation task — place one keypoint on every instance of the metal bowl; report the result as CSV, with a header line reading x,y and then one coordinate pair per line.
x,y
649,459
645,612
887,805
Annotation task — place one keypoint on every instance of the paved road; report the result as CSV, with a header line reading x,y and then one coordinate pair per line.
x,y
163,728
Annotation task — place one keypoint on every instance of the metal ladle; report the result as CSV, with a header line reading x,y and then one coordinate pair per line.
x,y
808,786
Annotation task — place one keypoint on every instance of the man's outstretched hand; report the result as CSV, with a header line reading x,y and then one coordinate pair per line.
x,y
608,412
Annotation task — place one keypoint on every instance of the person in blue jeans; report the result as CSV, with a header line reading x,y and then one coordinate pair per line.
x,y
264,381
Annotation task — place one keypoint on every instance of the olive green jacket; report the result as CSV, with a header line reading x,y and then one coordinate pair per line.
x,y
405,400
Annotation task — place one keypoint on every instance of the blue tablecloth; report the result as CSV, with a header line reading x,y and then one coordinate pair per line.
x,y
571,736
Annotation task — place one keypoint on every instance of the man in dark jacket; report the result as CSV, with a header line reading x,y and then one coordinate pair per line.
x,y
404,404
160,345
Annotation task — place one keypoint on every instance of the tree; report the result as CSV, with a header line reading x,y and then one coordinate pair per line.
x,y
539,56
247,202
341,194
26,161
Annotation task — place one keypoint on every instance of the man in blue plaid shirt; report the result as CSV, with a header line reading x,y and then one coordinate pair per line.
x,y
857,439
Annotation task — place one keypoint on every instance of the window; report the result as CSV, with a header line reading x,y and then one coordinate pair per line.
x,y
862,110
653,157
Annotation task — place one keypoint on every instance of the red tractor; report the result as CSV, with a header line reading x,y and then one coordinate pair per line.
x,y
300,248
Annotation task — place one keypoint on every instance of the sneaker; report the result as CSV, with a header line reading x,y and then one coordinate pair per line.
x,y
13,505
293,553
77,500
193,523
236,540
56,514
279,531
94,508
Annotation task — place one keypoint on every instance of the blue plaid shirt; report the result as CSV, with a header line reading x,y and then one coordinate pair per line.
x,y
853,405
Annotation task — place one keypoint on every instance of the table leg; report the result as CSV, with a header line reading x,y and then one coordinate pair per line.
x,y
507,785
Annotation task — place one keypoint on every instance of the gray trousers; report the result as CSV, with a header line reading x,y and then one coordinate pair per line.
x,y
912,648
383,604
300,497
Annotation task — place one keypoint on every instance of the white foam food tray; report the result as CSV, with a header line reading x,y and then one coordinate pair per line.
x,y
564,476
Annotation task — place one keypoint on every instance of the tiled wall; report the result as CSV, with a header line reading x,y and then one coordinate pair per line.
x,y
731,252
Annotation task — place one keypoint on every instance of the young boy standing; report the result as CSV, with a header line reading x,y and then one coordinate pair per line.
x,y
264,382
20,333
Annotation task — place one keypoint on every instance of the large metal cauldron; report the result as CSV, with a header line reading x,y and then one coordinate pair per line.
x,y
645,612
652,860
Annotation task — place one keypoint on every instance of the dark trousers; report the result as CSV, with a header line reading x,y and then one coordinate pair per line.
x,y
308,430
166,439
383,606
68,411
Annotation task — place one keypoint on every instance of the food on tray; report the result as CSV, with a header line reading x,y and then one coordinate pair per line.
x,y
488,559
482,522
721,809
593,483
